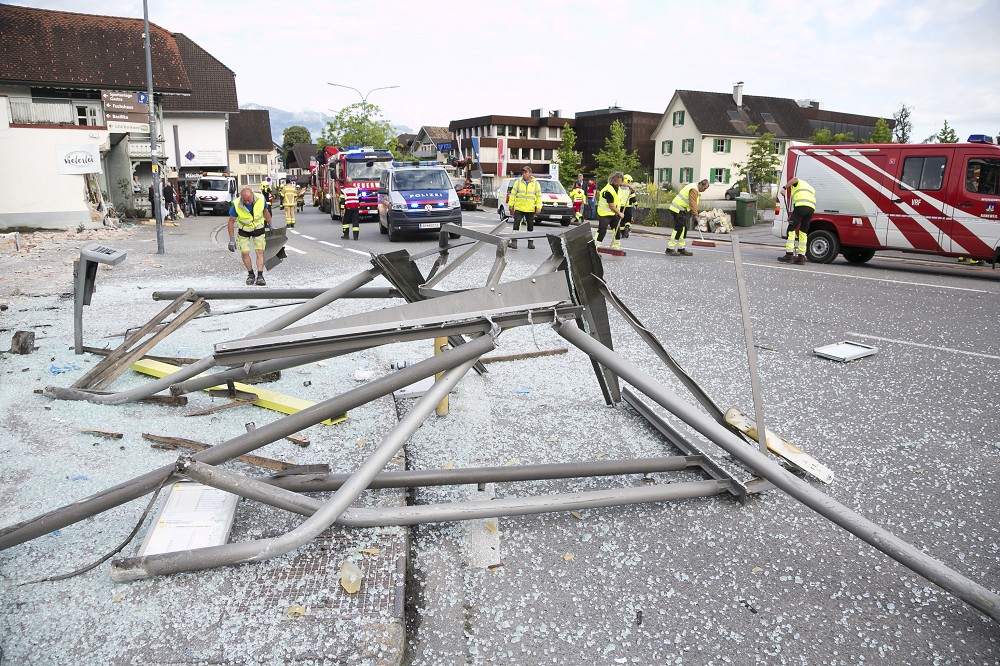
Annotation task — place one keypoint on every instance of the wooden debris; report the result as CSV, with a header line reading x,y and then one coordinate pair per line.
x,y
101,433
234,394
524,355
219,407
298,440
172,443
172,360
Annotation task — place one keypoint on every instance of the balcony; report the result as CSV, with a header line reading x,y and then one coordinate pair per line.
x,y
29,111
140,149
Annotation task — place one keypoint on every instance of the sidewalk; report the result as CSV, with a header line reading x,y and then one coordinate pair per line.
x,y
291,608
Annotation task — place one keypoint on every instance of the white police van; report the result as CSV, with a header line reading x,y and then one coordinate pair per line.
x,y
416,198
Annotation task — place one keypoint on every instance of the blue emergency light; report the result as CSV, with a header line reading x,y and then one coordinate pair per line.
x,y
980,138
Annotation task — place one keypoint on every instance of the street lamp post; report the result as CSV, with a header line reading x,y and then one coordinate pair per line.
x,y
364,97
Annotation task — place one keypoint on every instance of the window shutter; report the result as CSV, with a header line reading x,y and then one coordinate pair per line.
x,y
727,176
729,146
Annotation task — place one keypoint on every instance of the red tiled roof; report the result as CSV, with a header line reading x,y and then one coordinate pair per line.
x,y
71,50
213,85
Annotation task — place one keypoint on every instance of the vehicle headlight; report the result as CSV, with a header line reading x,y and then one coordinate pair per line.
x,y
454,204
398,206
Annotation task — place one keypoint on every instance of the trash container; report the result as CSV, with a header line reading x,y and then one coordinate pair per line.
x,y
746,210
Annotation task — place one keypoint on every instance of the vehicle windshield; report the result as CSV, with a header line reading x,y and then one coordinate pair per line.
x,y
432,179
365,170
213,185
551,186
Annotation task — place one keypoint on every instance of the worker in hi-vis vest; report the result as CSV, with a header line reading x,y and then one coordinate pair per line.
x,y
800,199
683,208
253,219
609,213
289,193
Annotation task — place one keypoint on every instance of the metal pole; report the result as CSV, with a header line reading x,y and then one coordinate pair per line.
x,y
450,511
137,393
937,572
758,401
136,568
155,202
245,443
307,483
272,293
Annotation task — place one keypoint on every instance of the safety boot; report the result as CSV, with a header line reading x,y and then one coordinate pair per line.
x,y
512,244
786,258
685,252
250,278
347,232
799,259
670,252
260,279
531,245
356,234
615,245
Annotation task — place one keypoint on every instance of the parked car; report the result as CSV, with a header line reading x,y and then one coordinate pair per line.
x,y
738,188
556,206
416,199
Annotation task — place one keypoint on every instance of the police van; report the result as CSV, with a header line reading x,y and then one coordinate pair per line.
x,y
936,198
416,198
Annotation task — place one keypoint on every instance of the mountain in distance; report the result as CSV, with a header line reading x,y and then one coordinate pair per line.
x,y
314,121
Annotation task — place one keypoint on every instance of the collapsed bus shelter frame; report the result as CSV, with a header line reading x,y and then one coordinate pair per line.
x,y
567,291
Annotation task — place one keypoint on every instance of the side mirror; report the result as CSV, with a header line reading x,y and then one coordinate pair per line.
x,y
382,189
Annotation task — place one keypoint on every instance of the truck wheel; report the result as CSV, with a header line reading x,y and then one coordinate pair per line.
x,y
822,247
394,233
858,255
565,222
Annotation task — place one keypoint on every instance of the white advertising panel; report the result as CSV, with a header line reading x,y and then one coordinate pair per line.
x,y
78,158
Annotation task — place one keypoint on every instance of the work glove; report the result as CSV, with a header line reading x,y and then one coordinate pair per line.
x,y
232,245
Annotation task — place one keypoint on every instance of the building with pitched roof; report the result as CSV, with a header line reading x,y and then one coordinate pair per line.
x,y
252,156
74,111
301,158
431,143
196,126
703,134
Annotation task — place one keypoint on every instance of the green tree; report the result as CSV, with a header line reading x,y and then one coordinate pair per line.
x,y
823,137
947,134
881,133
613,157
291,136
360,124
568,157
904,126
762,162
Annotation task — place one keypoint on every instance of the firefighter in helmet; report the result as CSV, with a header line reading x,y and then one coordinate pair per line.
x,y
289,193
628,200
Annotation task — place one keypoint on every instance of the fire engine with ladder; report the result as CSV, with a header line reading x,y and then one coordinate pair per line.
x,y
362,167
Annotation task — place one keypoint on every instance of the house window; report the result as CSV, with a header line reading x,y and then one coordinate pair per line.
x,y
687,175
86,115
778,147
243,160
678,118
664,175
667,147
553,132
534,132
511,130
923,173
548,154
687,146
501,130
722,146
719,176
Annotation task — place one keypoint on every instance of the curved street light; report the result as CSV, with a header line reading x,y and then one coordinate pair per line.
x,y
364,97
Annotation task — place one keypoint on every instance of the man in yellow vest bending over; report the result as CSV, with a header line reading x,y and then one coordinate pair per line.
x,y
682,209
253,219
800,198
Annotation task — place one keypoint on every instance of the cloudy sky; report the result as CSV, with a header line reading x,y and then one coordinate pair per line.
x,y
457,59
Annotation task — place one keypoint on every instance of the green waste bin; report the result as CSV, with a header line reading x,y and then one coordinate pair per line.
x,y
746,210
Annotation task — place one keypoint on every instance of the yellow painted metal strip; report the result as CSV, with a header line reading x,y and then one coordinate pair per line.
x,y
779,446
278,402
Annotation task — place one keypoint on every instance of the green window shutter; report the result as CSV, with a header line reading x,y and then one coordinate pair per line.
x,y
670,147
727,175
670,175
729,147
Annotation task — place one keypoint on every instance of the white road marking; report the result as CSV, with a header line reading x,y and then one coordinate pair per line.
x,y
293,231
289,247
330,244
918,344
861,277
309,237
361,252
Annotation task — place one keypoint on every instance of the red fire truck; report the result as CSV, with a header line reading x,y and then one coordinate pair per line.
x,y
321,179
363,167
938,198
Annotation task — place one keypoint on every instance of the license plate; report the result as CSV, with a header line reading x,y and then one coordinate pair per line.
x,y
430,225
555,217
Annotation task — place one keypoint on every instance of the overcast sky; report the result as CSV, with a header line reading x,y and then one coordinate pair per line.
x,y
457,59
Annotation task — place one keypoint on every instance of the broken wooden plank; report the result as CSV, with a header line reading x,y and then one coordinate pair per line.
x,y
298,440
172,360
219,407
171,443
101,433
523,355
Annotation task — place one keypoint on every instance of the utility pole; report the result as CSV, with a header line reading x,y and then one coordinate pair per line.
x,y
364,99
153,148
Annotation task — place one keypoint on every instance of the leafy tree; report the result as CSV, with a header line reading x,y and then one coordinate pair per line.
x,y
360,124
568,157
904,126
881,133
613,157
761,163
823,137
291,136
947,134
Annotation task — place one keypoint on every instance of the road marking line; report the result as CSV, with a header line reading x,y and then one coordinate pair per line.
x,y
860,277
362,252
330,244
918,344
293,231
309,237
289,247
